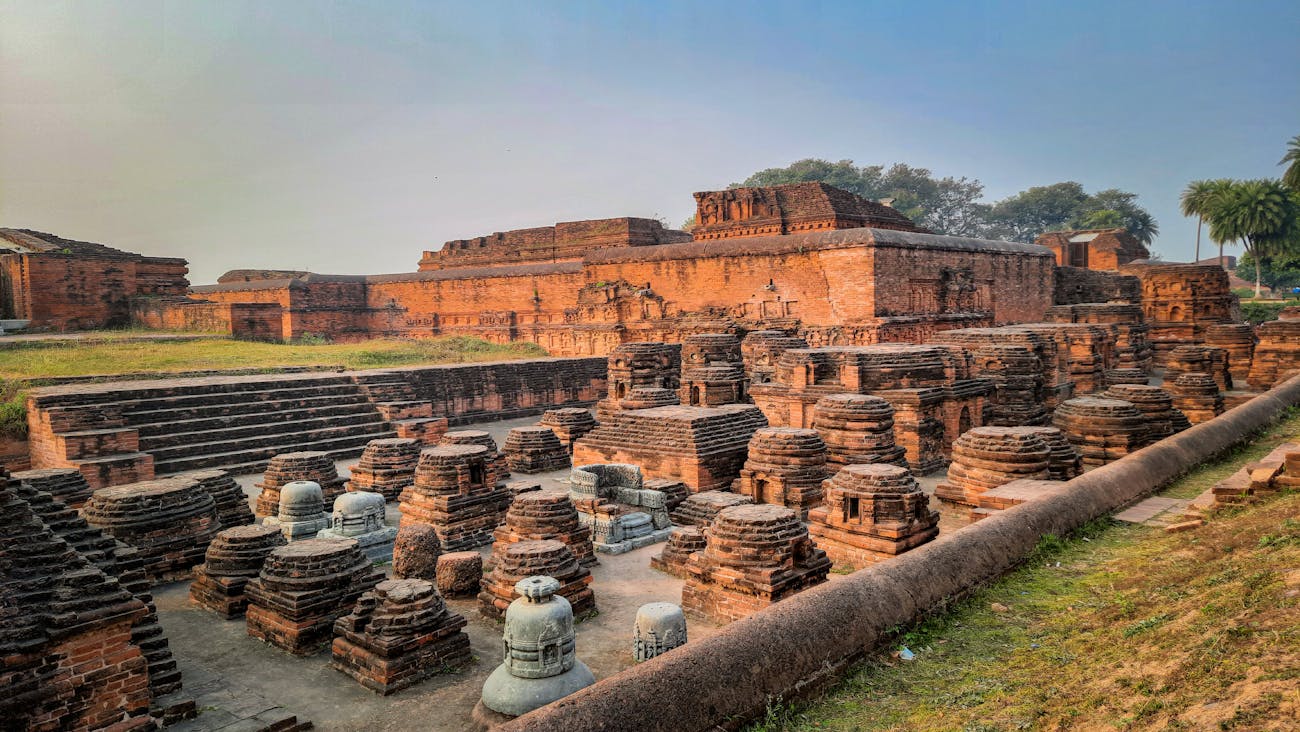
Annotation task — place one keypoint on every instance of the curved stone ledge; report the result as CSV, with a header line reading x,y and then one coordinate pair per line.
x,y
796,647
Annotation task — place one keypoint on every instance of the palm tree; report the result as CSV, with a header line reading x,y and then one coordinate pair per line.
x,y
1291,176
1196,200
1261,214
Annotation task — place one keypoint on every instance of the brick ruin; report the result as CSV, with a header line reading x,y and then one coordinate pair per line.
x,y
524,559
988,457
386,466
169,522
234,557
1278,353
537,516
785,466
871,513
1182,301
1101,249
458,491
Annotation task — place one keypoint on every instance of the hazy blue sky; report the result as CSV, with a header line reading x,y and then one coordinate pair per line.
x,y
347,137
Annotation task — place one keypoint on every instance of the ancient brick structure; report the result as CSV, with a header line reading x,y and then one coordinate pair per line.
x,y
857,429
1064,461
761,349
303,588
988,457
69,659
1199,359
1156,404
785,467
1126,376
566,241
496,458
1103,430
872,513
416,551
622,512
169,521
682,543
68,485
547,558
754,556
535,516
535,449
789,209
1104,249
459,574
634,366
457,491
649,398
1132,346
386,466
862,285
229,499
699,509
1197,396
1238,341
713,371
122,563
568,424
1018,396
931,389
1181,302
61,284
703,447
1278,354
399,634
313,466
234,557
1075,285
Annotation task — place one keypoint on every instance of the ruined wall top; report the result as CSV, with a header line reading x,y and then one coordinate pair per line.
x,y
789,209
565,240
1100,249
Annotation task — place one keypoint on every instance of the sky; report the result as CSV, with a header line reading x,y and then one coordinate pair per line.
x,y
348,137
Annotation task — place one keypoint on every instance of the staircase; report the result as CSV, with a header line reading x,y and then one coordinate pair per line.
x,y
233,423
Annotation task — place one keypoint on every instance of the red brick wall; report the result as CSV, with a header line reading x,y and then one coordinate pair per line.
x,y
68,292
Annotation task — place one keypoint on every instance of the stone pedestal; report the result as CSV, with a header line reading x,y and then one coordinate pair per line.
x,y
316,467
303,588
399,634
1197,396
1103,430
857,429
66,485
233,558
386,467
231,503
872,513
536,516
568,424
987,457
170,521
682,543
458,491
754,556
359,515
659,628
301,514
525,559
785,467
535,449
621,513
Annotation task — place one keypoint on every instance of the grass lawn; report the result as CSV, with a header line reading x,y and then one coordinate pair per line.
x,y
1120,627
69,358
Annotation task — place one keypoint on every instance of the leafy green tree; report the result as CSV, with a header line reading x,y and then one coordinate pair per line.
x,y
1280,271
1132,217
843,174
1027,214
1197,200
1291,176
1106,218
1263,215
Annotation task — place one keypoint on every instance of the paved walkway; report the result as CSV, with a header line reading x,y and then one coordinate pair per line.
x,y
1155,511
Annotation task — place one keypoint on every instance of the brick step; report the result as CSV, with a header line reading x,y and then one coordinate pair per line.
x,y
180,414
271,414
255,426
284,434
235,397
244,462
88,395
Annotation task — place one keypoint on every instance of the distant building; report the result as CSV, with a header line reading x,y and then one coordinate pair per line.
x,y
1229,261
1101,249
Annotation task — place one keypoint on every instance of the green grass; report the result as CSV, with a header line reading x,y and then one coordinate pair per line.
x,y
1117,627
116,356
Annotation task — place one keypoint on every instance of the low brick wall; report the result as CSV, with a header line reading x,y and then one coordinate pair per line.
x,y
800,645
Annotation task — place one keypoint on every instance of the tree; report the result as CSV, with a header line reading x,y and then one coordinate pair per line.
x,y
1106,218
1196,200
1278,272
1263,215
843,174
1027,214
1132,217
1291,176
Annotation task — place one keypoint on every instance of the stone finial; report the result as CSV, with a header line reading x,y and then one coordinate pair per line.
x,y
659,628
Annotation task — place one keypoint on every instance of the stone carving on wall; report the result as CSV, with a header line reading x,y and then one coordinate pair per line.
x,y
716,207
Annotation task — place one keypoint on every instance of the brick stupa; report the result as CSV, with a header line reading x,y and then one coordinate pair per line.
x,y
872,513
